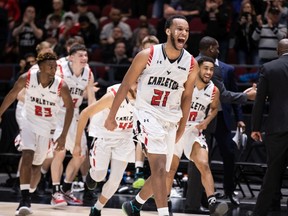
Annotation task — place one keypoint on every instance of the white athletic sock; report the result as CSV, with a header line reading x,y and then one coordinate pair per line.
x,y
98,205
24,186
139,199
43,171
32,190
163,211
139,164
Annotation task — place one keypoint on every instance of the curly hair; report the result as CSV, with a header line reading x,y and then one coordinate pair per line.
x,y
42,57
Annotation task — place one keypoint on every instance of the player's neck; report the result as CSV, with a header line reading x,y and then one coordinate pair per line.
x,y
76,70
200,85
171,52
44,79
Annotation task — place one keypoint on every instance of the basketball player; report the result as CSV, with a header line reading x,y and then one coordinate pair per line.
x,y
79,78
166,74
110,147
43,94
139,157
42,47
193,143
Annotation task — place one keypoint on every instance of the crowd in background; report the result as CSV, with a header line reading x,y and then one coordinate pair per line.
x,y
112,30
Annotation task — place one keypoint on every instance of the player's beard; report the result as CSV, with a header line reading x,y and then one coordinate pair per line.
x,y
203,80
172,39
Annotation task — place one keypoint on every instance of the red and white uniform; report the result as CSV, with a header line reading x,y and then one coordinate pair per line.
x,y
117,144
200,102
76,85
39,114
158,100
124,119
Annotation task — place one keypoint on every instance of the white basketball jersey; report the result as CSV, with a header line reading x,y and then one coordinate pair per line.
x,y
124,119
161,84
41,104
200,102
75,84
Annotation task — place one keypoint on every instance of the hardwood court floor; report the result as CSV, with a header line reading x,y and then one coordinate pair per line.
x,y
8,209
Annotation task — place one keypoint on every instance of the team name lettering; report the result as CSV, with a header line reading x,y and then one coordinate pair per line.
x,y
163,81
76,91
41,101
198,106
124,118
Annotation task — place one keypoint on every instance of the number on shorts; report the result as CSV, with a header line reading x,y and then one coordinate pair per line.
x,y
160,98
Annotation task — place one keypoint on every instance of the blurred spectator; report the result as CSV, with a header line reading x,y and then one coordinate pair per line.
x,y
54,27
27,62
27,33
158,7
124,6
82,9
161,35
57,10
269,34
13,10
44,45
52,34
137,40
121,61
68,44
144,29
245,46
144,22
187,8
281,7
115,16
88,32
3,31
217,16
69,28
117,36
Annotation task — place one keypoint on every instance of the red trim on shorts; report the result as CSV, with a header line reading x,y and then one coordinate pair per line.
x,y
150,55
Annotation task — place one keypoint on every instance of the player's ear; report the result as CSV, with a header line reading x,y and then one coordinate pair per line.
x,y
168,31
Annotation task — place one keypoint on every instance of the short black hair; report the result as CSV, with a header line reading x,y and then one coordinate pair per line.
x,y
205,59
206,42
77,47
170,19
42,57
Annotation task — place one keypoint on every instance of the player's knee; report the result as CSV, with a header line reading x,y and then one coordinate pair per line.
x,y
98,175
202,165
